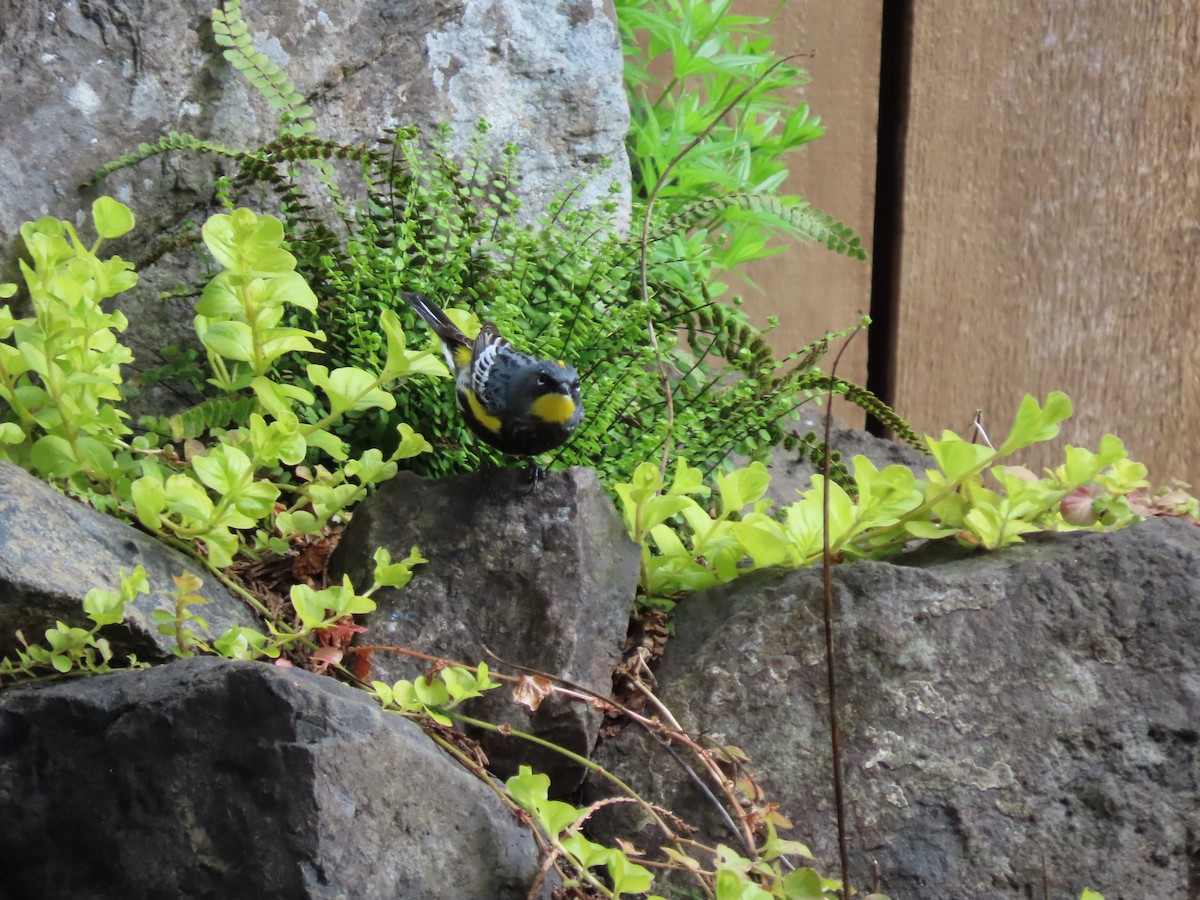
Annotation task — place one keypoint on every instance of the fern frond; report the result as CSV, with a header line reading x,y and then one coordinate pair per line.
x,y
813,449
304,148
810,222
219,412
174,140
230,31
799,217
870,404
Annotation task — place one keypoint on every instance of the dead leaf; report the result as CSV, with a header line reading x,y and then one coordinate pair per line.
x,y
324,657
310,561
360,664
531,690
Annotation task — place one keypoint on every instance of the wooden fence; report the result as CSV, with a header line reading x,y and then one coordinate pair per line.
x,y
1038,209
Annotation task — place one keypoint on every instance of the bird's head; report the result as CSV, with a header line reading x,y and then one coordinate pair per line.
x,y
552,391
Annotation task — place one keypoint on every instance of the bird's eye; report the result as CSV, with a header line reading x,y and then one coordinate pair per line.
x,y
542,381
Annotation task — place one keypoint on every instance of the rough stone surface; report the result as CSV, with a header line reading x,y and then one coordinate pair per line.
x,y
93,80
205,778
1040,705
544,577
53,550
85,83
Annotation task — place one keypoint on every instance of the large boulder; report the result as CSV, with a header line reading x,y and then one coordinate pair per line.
x,y
90,81
1007,718
206,778
543,575
53,550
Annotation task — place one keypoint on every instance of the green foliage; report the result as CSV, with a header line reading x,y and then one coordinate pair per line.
x,y
432,700
316,612
971,497
175,622
74,650
565,288
60,368
433,696
686,63
561,290
766,878
560,824
173,140
230,31
60,379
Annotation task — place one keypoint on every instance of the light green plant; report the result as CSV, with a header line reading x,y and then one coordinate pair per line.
x,y
239,321
60,368
766,878
317,611
60,385
181,622
435,696
560,823
434,699
82,651
74,650
972,497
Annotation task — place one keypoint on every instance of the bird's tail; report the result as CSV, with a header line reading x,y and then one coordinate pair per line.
x,y
450,333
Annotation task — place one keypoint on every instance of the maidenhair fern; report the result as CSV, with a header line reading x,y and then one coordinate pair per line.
x,y
173,140
231,32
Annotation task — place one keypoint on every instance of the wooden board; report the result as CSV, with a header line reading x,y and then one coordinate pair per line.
x,y
813,290
1051,221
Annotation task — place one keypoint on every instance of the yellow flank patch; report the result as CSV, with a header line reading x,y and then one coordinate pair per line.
x,y
482,416
462,356
554,408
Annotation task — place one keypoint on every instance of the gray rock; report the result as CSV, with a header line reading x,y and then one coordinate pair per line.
x,y
53,550
206,778
96,79
544,577
1039,705
85,83
548,78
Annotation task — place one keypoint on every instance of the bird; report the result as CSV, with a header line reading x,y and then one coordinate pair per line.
x,y
517,403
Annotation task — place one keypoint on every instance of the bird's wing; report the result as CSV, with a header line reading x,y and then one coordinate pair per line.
x,y
489,347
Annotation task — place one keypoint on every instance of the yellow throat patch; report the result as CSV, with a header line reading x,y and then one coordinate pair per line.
x,y
555,409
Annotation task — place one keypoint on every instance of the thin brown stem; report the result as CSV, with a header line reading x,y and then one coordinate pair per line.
x,y
835,737
665,735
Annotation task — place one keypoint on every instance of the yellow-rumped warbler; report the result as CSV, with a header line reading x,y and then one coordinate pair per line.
x,y
515,402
